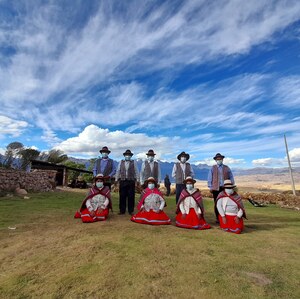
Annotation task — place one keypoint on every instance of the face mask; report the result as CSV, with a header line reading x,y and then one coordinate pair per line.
x,y
127,158
183,159
229,191
151,186
104,155
99,184
150,158
219,162
189,186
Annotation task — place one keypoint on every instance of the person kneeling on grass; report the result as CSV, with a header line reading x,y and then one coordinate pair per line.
x,y
231,209
151,205
96,205
190,210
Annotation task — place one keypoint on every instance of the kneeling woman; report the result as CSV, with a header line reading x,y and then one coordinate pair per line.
x,y
190,210
231,209
151,206
96,205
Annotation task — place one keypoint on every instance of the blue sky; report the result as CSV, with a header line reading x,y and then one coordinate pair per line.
x,y
195,76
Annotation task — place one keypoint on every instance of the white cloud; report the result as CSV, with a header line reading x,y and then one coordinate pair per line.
x,y
92,139
227,161
288,92
9,126
295,155
270,162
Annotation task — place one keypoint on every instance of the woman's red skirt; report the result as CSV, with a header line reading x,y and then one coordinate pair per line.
x,y
86,216
231,226
191,221
151,218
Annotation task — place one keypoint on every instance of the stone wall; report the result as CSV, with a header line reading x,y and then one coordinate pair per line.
x,y
36,181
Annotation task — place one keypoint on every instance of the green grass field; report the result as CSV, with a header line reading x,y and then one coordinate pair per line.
x,y
52,255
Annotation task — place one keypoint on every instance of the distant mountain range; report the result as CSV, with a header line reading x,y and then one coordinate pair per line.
x,y
200,170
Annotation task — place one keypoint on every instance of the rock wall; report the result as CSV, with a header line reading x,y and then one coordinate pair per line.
x,y
36,181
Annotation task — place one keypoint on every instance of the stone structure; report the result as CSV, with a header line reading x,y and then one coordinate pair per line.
x,y
34,181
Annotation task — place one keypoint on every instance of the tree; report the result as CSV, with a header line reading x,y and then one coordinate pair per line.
x,y
27,155
54,156
11,154
72,174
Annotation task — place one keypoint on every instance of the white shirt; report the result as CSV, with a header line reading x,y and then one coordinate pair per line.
x,y
153,202
188,203
227,206
97,202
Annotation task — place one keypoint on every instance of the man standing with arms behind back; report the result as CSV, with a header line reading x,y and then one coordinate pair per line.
x,y
216,177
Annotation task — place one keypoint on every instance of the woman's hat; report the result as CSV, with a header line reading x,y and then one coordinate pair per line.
x,y
99,177
189,179
183,154
104,150
218,156
150,153
228,184
128,153
150,179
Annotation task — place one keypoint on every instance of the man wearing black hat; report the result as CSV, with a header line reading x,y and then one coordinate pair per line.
x,y
106,166
181,171
216,177
150,168
127,174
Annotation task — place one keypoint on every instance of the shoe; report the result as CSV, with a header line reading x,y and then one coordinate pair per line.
x,y
121,213
217,222
131,214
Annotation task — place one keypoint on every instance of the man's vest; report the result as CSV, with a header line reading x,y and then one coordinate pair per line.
x,y
180,176
215,176
130,172
151,173
108,168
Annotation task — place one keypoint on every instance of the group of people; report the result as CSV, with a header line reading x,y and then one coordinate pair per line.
x,y
229,209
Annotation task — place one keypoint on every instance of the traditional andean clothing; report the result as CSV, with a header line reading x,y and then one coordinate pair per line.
x,y
150,208
230,207
97,199
191,203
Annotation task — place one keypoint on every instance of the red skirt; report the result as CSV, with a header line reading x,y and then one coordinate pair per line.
x,y
191,221
231,226
151,218
86,216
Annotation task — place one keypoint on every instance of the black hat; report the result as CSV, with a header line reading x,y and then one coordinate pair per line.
x,y
104,150
128,153
151,153
183,154
218,155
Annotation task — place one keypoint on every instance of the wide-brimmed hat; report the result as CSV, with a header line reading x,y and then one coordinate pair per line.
x,y
183,154
151,153
128,153
99,176
218,156
228,184
104,150
189,179
147,181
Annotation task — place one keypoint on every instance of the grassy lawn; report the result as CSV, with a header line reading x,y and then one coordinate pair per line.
x,y
52,255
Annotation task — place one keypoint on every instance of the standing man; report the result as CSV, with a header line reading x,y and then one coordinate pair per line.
x,y
150,168
127,175
167,184
216,177
181,171
106,166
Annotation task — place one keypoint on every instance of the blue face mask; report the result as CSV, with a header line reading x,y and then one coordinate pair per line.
x,y
127,158
99,184
229,191
219,162
150,158
104,155
151,186
183,159
189,186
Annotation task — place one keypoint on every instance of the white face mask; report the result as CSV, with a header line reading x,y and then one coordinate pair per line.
x,y
229,191
99,184
104,155
151,186
150,158
127,158
183,159
219,162
189,186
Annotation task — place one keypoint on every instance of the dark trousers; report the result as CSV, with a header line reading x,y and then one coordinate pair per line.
x,y
108,185
215,195
126,192
179,188
168,187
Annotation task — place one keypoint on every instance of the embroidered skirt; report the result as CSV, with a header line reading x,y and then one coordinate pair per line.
x,y
86,216
231,226
191,221
151,218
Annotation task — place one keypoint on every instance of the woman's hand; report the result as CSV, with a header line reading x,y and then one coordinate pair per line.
x,y
237,220
224,219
